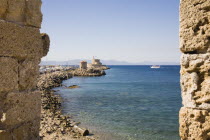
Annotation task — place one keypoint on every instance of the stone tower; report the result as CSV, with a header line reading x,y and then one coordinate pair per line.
x,y
194,117
83,65
21,48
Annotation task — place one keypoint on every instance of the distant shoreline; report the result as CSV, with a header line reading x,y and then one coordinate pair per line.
x,y
107,62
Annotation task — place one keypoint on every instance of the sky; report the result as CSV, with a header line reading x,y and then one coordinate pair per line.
x,y
123,30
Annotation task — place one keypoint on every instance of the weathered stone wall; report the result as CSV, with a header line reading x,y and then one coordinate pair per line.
x,y
195,69
21,48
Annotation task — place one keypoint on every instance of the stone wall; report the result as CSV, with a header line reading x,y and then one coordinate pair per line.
x,y
21,48
195,69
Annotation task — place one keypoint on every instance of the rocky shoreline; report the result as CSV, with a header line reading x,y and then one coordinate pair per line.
x,y
55,125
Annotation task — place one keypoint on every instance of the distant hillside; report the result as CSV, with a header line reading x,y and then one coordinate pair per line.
x,y
106,62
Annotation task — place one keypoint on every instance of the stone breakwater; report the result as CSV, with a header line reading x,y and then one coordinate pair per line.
x,y
102,68
55,125
90,72
51,80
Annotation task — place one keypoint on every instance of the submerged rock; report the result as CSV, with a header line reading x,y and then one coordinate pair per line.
x,y
73,86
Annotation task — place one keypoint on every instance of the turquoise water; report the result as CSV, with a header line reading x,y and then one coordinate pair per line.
x,y
129,103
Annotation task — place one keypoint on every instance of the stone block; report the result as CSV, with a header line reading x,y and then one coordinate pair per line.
x,y
189,85
24,12
194,124
15,11
4,135
195,63
3,8
19,41
194,26
195,80
46,43
20,108
8,74
27,131
28,73
33,13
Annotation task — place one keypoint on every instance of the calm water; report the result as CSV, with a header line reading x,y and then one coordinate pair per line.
x,y
129,103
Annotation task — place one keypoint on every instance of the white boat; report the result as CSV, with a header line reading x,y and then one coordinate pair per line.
x,y
155,67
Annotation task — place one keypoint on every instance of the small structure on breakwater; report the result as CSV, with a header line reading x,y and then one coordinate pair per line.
x,y
83,65
96,63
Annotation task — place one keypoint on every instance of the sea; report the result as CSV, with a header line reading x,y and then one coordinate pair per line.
x,y
128,103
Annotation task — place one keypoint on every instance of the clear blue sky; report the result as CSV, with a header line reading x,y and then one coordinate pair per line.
x,y
126,30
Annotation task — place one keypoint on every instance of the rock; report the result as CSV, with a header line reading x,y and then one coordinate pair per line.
x,y
83,132
55,125
46,43
194,124
24,12
194,26
28,73
195,80
14,110
9,74
73,86
89,72
20,42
